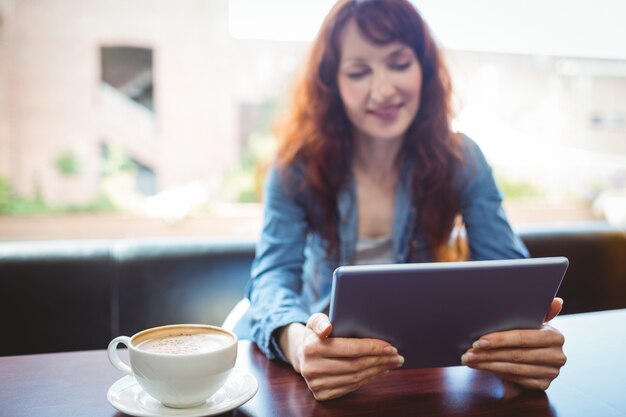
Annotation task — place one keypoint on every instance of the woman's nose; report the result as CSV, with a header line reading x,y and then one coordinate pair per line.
x,y
382,88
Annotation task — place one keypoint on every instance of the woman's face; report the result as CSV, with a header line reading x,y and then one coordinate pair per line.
x,y
379,85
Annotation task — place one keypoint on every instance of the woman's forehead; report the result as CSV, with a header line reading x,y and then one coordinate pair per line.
x,y
355,46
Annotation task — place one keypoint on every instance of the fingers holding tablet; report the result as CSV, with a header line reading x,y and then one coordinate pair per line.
x,y
555,309
320,324
333,366
528,358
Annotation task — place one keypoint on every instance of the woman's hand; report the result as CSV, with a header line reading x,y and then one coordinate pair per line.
x,y
335,366
527,358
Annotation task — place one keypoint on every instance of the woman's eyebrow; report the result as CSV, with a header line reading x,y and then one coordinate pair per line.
x,y
356,60
398,51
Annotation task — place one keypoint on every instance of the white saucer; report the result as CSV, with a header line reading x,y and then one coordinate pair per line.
x,y
127,396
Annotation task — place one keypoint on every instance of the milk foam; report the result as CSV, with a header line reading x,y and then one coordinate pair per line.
x,y
185,344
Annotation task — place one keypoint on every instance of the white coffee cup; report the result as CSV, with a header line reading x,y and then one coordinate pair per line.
x,y
179,365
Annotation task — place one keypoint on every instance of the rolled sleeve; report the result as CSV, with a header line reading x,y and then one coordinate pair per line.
x,y
276,277
490,235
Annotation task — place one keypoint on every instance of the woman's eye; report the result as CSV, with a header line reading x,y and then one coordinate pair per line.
x,y
356,75
401,67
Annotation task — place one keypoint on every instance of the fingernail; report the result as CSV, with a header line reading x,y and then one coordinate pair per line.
x,y
468,358
322,325
481,343
400,359
390,350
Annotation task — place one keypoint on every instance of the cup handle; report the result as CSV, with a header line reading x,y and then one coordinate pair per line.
x,y
114,358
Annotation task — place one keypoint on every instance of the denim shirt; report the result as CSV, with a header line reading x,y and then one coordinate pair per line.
x,y
291,275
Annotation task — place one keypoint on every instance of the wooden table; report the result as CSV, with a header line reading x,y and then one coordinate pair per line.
x,y
593,383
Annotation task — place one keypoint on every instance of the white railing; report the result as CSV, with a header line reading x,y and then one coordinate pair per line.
x,y
128,124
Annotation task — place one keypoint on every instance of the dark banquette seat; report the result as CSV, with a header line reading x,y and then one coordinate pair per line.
x,y
78,295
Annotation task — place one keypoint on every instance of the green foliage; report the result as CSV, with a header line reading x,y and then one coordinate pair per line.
x,y
101,204
117,160
67,164
244,181
13,204
6,195
26,206
516,190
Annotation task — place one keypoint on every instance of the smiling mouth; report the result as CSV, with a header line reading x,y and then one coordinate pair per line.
x,y
386,113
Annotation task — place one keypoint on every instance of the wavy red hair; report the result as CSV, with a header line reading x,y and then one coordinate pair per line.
x,y
317,133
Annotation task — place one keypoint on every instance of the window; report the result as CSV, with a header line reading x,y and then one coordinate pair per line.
x,y
164,113
129,70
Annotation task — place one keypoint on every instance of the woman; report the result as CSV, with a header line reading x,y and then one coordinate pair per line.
x,y
369,171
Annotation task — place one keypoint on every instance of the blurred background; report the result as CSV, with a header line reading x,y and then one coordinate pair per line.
x,y
132,118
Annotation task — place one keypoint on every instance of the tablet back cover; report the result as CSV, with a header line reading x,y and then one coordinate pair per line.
x,y
433,312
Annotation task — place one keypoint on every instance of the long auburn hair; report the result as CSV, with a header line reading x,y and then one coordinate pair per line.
x,y
317,132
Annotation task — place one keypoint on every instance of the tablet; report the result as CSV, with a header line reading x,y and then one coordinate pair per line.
x,y
433,312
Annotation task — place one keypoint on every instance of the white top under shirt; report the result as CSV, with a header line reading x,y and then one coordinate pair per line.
x,y
374,251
